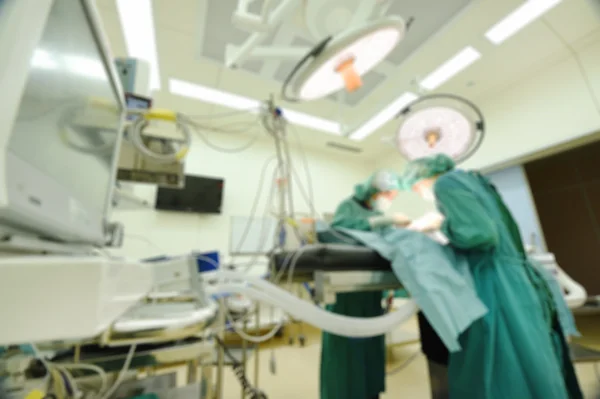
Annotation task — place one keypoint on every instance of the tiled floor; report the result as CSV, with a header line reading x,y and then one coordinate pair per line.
x,y
297,374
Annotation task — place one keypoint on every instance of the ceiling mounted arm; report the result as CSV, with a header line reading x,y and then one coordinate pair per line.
x,y
285,8
244,19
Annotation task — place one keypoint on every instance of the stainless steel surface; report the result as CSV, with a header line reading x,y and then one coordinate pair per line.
x,y
176,353
244,354
220,350
581,354
257,354
196,285
328,284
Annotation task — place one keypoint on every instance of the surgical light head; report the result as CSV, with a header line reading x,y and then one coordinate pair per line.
x,y
440,123
339,62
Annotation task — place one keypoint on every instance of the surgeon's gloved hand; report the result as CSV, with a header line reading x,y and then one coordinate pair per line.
x,y
429,222
401,220
397,219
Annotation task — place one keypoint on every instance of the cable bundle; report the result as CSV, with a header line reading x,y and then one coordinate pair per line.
x,y
240,373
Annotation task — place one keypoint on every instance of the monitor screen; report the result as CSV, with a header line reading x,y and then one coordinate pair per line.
x,y
136,102
200,195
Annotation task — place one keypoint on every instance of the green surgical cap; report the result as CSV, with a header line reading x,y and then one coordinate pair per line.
x,y
380,181
424,168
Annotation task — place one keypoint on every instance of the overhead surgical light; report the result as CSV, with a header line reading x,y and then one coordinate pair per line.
x,y
440,123
340,62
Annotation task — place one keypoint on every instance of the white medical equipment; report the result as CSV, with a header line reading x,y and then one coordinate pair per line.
x,y
575,295
440,123
67,298
154,156
149,154
340,61
58,66
135,75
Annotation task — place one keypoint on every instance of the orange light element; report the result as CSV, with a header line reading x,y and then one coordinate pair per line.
x,y
432,137
352,79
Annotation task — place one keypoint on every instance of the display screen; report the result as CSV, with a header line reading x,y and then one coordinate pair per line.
x,y
200,195
136,102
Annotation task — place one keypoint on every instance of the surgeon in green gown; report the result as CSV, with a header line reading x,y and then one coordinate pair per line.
x,y
354,368
518,349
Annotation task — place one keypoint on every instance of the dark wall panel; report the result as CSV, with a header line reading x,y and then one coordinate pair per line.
x,y
566,191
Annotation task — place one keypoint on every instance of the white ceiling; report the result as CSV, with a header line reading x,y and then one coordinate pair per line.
x,y
192,35
429,16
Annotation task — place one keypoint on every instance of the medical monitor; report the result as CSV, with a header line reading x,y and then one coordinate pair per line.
x,y
200,195
61,125
136,102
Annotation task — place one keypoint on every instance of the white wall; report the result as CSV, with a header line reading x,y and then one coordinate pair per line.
x,y
513,186
149,232
544,110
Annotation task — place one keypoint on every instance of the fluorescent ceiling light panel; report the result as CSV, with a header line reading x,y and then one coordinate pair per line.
x,y
451,68
137,22
312,122
383,116
518,19
212,96
219,97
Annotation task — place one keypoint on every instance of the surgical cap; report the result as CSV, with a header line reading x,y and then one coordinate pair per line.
x,y
424,168
380,181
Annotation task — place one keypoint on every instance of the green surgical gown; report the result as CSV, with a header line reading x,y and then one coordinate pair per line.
x,y
512,351
353,368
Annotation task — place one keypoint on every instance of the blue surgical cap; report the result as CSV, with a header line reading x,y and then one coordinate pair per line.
x,y
424,168
380,181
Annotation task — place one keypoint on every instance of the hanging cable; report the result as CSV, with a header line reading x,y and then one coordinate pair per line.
x,y
303,157
224,114
255,203
215,147
63,384
232,322
176,154
405,364
108,394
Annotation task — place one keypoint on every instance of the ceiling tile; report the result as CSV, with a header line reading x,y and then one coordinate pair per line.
x,y
429,16
574,10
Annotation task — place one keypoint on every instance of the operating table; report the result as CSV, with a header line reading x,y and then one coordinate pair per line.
x,y
337,268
